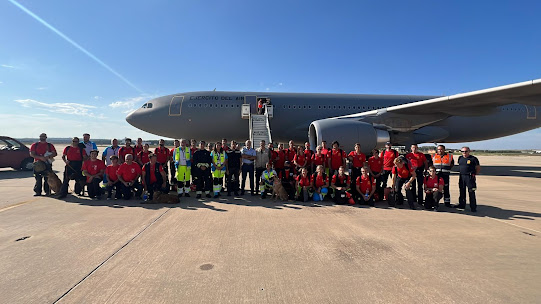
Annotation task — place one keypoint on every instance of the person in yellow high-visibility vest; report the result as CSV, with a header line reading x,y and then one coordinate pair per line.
x,y
218,168
183,162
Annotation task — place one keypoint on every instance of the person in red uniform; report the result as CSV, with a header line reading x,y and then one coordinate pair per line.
x,y
273,155
375,167
337,158
127,149
308,153
357,160
300,160
94,169
324,149
128,173
112,179
418,162
225,147
280,159
142,157
340,184
403,178
433,186
138,147
303,186
291,152
388,155
44,152
320,182
318,159
153,177
366,187
73,157
163,156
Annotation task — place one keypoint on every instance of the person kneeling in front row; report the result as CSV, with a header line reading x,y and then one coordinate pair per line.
x,y
128,173
433,186
93,169
154,178
112,179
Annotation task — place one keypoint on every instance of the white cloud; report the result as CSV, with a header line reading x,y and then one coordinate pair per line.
x,y
97,97
267,89
20,126
280,83
61,107
129,104
42,88
1,82
8,66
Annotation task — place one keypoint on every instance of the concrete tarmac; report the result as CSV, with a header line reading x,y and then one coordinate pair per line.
x,y
237,250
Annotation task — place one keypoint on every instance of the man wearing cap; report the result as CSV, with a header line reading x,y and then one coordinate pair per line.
x,y
44,152
94,169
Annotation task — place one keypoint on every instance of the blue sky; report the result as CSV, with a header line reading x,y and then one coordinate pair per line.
x,y
154,48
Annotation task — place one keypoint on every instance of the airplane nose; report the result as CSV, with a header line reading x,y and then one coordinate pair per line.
x,y
131,119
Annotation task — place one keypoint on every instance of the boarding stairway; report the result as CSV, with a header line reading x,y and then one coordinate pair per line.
x,y
260,126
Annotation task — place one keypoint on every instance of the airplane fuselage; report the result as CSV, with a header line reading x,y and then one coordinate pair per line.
x,y
212,115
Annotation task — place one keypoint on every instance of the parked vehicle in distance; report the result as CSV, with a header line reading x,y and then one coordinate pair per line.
x,y
14,154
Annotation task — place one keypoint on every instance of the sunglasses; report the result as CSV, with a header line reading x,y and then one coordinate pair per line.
x,y
464,151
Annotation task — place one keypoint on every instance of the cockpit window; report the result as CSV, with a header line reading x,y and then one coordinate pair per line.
x,y
147,105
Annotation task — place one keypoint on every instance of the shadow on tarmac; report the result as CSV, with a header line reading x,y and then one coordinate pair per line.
x,y
14,174
193,204
511,171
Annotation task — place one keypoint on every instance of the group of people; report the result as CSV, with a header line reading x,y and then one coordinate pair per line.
x,y
305,174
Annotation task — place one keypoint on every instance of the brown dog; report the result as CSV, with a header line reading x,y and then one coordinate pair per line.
x,y
164,198
278,190
54,182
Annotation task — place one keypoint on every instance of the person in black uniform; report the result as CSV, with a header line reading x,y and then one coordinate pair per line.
x,y
233,169
202,161
469,167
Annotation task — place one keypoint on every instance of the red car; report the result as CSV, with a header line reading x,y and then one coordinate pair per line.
x,y
14,154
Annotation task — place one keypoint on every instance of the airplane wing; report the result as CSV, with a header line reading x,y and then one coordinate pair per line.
x,y
410,116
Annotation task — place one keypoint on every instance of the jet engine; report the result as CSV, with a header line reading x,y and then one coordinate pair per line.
x,y
347,132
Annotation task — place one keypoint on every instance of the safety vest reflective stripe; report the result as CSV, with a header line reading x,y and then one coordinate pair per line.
x,y
442,163
187,153
222,158
268,176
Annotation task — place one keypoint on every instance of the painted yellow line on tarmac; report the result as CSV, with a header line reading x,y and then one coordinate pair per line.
x,y
18,204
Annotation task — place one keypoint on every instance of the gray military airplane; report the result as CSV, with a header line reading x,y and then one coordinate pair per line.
x,y
370,120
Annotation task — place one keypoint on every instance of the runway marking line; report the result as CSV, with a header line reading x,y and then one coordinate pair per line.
x,y
110,257
18,204
518,226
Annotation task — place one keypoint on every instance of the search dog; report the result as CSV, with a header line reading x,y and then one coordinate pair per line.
x,y
278,190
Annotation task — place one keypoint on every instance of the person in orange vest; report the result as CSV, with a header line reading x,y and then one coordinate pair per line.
x,y
444,162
